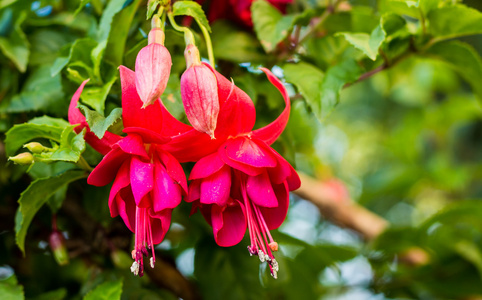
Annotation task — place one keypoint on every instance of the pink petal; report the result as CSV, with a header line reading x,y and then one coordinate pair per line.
x,y
147,136
282,170
134,145
260,190
250,170
142,180
275,216
160,223
216,188
153,67
133,115
166,193
194,191
121,181
106,170
272,131
173,168
293,181
206,166
126,207
229,223
75,116
247,151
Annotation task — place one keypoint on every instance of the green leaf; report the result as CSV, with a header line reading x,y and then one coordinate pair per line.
x,y
46,120
40,92
270,25
193,9
463,59
15,46
455,21
18,135
335,79
71,147
79,51
110,290
10,289
95,96
32,199
151,8
106,21
308,79
97,123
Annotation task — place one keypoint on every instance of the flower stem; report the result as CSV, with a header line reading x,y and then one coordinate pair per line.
x,y
188,36
209,43
82,163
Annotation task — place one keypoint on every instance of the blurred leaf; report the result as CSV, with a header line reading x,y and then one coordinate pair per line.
x,y
193,9
45,46
15,46
235,45
335,79
463,59
110,290
97,123
18,135
37,193
78,52
53,295
40,92
454,21
308,79
270,25
10,289
470,252
56,200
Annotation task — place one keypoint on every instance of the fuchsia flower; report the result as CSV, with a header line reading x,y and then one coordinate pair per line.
x,y
148,181
243,183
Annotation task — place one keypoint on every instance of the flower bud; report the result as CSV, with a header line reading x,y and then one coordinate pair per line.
x,y
57,244
153,66
25,158
35,147
199,91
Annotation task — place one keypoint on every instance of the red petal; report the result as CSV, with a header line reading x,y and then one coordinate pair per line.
x,y
173,168
106,170
206,166
166,193
194,191
104,145
121,181
160,223
134,145
75,116
229,223
142,180
133,115
260,190
148,136
192,146
275,216
127,207
272,131
215,189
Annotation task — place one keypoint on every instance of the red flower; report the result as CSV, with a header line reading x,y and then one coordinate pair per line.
x,y
244,183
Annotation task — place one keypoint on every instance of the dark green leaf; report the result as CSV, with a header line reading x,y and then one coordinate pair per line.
x,y
35,196
462,58
454,21
193,9
110,290
270,25
59,294
97,123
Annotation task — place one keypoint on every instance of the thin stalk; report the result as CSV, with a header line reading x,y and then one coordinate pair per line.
x,y
82,163
188,36
209,44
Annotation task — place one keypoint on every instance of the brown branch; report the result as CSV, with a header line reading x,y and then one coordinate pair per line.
x,y
344,213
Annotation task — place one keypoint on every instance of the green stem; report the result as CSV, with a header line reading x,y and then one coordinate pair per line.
x,y
209,43
82,163
188,36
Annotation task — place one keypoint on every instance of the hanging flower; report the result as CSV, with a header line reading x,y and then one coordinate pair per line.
x,y
244,183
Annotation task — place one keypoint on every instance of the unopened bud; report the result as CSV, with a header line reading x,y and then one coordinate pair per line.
x,y
199,91
35,147
25,158
57,244
153,66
